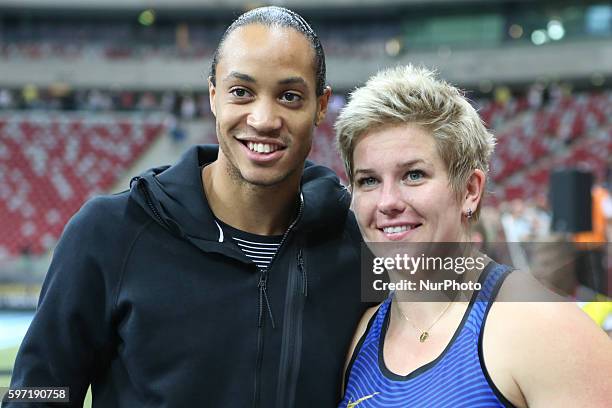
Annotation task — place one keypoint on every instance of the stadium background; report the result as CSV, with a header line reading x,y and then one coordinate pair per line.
x,y
92,92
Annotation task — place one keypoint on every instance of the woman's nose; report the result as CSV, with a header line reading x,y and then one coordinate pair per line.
x,y
391,201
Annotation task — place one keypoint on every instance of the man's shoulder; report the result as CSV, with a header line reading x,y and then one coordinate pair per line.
x,y
102,206
351,228
101,231
105,213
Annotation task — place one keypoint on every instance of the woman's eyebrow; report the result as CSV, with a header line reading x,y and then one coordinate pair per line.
x,y
411,163
400,165
365,171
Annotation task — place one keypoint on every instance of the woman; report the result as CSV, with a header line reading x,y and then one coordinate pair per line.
x,y
417,155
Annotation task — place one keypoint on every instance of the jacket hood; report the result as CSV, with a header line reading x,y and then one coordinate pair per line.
x,y
174,197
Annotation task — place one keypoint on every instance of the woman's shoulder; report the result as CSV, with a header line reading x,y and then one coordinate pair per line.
x,y
360,332
541,341
527,310
362,327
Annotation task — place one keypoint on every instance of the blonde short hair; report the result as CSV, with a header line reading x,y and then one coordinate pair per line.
x,y
407,94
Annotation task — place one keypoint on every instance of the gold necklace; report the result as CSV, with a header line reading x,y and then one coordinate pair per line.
x,y
424,333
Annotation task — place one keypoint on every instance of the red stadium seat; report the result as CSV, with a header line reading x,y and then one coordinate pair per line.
x,y
51,163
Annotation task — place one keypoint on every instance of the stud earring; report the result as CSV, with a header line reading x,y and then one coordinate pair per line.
x,y
469,213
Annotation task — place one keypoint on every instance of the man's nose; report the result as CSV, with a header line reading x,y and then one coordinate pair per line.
x,y
264,117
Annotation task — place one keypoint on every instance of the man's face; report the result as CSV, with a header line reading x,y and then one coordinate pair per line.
x,y
265,104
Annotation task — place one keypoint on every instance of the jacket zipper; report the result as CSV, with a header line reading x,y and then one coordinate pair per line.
x,y
300,262
264,301
291,349
143,188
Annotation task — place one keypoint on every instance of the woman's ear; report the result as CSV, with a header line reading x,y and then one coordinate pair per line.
x,y
474,189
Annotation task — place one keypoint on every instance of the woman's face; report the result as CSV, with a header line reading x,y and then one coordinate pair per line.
x,y
401,190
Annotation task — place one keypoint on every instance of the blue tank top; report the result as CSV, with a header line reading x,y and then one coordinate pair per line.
x,y
456,378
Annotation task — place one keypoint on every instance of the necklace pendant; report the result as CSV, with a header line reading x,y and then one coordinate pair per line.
x,y
424,335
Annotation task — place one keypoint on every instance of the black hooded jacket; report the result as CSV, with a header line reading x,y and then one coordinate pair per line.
x,y
149,302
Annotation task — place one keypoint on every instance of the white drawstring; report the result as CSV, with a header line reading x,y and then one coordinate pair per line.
x,y
220,231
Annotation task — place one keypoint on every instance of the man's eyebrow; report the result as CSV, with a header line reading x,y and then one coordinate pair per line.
x,y
241,76
293,80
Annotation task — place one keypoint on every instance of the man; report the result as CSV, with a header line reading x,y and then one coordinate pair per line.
x,y
227,280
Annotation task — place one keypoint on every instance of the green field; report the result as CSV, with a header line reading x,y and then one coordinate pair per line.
x,y
7,358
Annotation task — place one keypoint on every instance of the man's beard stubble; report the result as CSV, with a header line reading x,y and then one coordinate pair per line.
x,y
236,176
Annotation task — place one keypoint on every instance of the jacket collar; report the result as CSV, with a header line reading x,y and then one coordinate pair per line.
x,y
175,198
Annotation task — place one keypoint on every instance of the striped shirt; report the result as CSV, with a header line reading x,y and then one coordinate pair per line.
x,y
260,249
261,253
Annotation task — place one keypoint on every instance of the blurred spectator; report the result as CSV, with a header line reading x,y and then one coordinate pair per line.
x,y
127,100
539,217
6,99
147,102
592,262
556,93
175,130
188,107
515,221
502,95
516,229
81,99
168,101
98,101
535,96
31,97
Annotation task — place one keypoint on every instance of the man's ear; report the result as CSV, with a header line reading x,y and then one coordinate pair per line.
x,y
212,93
474,189
322,102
